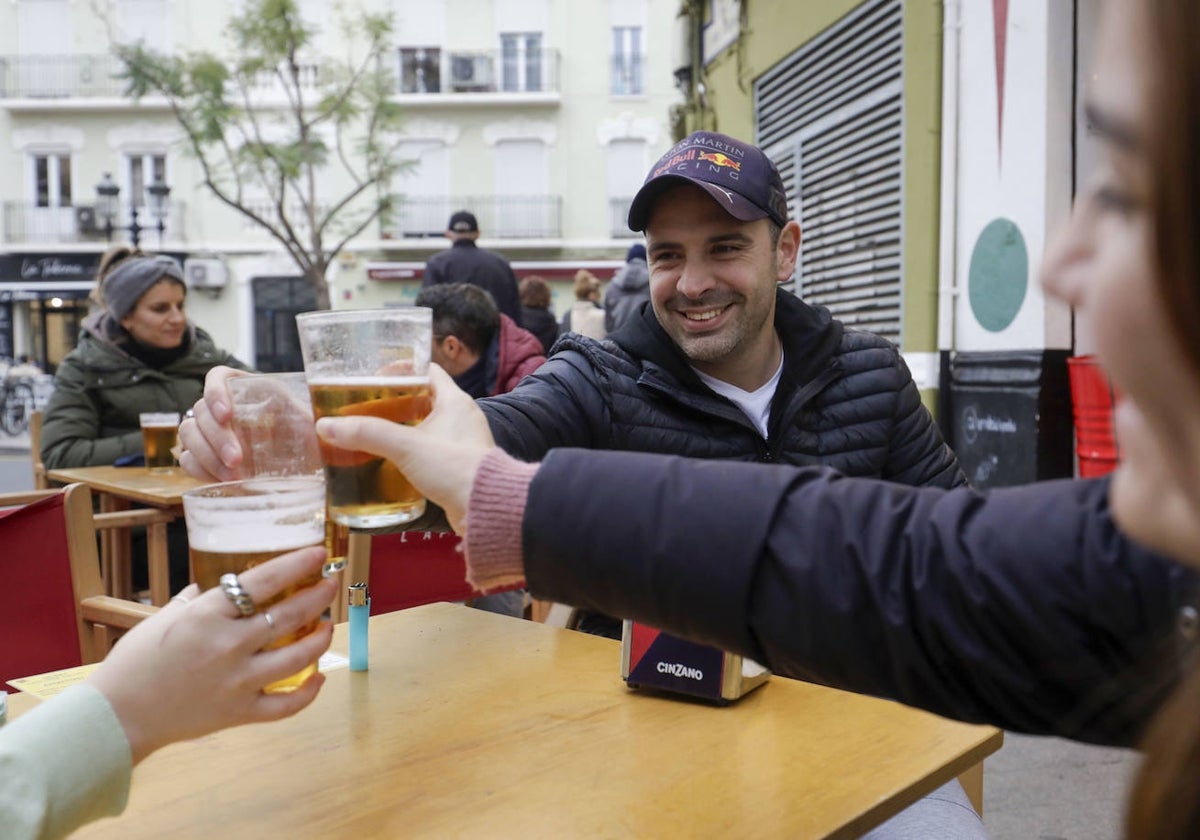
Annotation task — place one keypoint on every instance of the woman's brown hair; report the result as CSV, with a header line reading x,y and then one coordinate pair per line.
x,y
534,292
1165,802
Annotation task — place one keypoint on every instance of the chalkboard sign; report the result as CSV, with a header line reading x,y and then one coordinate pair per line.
x,y
6,331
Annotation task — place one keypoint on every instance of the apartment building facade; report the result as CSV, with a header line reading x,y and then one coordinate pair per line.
x,y
540,116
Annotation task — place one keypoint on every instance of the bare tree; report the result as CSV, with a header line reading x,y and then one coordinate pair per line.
x,y
328,122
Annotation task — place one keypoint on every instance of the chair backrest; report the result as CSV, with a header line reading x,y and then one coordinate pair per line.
x,y
417,567
40,482
53,613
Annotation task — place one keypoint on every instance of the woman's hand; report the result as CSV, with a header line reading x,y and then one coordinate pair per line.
x,y
210,448
440,456
197,666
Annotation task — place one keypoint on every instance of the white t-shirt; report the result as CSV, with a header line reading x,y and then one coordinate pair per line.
x,y
754,404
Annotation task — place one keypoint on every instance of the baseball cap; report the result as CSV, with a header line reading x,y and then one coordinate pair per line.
x,y
737,175
463,222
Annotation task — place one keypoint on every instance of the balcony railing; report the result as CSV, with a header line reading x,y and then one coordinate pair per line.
x,y
432,70
618,218
500,217
25,222
60,76
98,76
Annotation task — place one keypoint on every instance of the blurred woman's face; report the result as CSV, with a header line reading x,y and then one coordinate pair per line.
x,y
158,319
1102,263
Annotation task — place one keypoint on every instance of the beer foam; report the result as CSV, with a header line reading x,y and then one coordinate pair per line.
x,y
248,531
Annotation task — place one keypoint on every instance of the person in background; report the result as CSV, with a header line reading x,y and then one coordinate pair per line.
x,y
535,311
481,348
585,316
138,353
194,667
1018,607
629,289
466,262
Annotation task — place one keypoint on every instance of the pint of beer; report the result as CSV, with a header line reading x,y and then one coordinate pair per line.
x,y
160,430
239,524
368,363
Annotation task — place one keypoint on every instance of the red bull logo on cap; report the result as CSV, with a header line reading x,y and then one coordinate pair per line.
x,y
720,159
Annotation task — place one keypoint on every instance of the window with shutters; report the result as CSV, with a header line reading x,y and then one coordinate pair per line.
x,y
831,116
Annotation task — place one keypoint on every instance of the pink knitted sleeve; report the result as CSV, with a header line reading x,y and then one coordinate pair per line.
x,y
493,526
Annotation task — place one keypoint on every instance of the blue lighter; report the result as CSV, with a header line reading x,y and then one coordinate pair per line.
x,y
360,609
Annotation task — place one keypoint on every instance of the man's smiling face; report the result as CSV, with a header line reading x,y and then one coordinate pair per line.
x,y
712,283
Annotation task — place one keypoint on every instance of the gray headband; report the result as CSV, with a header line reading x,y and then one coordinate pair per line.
x,y
133,277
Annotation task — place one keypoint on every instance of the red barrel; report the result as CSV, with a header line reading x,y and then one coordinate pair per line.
x,y
1092,399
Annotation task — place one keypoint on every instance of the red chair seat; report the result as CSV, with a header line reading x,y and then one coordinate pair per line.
x,y
418,567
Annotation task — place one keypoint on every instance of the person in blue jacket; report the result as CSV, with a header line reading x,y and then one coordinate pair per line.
x,y
1022,607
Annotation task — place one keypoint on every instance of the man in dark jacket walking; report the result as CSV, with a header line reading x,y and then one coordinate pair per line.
x,y
466,262
629,289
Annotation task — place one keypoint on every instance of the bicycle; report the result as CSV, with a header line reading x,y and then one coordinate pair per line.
x,y
16,404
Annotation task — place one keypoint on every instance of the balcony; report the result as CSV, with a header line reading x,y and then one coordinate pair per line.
x,y
429,73
500,217
27,223
60,77
49,80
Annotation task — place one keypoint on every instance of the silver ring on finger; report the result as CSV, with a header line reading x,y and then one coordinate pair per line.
x,y
238,596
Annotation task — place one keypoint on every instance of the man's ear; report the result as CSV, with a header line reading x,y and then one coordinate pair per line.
x,y
452,347
787,251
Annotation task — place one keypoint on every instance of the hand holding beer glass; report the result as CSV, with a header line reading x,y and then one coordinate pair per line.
x,y
239,524
375,363
273,422
159,433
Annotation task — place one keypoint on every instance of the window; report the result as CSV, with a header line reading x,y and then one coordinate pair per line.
x,y
627,61
141,171
523,205
420,70
52,180
521,57
425,201
148,21
626,170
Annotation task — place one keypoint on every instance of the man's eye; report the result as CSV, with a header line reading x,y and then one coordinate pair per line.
x,y
1115,200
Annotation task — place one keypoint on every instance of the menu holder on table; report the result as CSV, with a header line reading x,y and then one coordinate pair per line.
x,y
653,659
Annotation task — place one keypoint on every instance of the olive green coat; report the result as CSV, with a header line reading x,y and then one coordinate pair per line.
x,y
99,391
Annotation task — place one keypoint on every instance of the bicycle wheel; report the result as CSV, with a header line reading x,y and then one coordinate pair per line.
x,y
18,405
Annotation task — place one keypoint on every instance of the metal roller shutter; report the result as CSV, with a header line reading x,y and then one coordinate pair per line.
x,y
831,116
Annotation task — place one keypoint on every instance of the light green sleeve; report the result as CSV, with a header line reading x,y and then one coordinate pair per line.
x,y
62,764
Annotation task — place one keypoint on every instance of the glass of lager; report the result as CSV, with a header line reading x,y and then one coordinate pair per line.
x,y
160,430
372,362
239,524
273,421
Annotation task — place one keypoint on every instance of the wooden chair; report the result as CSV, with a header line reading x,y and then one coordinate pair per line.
x,y
53,613
40,482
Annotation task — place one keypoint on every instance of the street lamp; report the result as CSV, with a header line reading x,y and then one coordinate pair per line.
x,y
108,206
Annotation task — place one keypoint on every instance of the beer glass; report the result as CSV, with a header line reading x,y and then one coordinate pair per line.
x,y
373,363
273,422
234,526
160,430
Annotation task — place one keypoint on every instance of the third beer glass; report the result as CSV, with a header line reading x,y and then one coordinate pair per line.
x,y
368,362
160,430
234,526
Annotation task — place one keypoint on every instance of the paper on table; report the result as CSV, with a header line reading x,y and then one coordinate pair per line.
x,y
51,683
47,685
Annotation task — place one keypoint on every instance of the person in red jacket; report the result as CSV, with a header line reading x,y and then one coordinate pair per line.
x,y
482,348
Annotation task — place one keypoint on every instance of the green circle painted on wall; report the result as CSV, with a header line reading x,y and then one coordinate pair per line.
x,y
999,275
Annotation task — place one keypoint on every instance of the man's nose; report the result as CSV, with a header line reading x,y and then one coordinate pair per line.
x,y
694,279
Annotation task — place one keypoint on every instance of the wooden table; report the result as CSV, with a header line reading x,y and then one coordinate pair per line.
x,y
118,488
475,725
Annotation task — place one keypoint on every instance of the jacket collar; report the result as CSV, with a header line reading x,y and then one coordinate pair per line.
x,y
809,334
